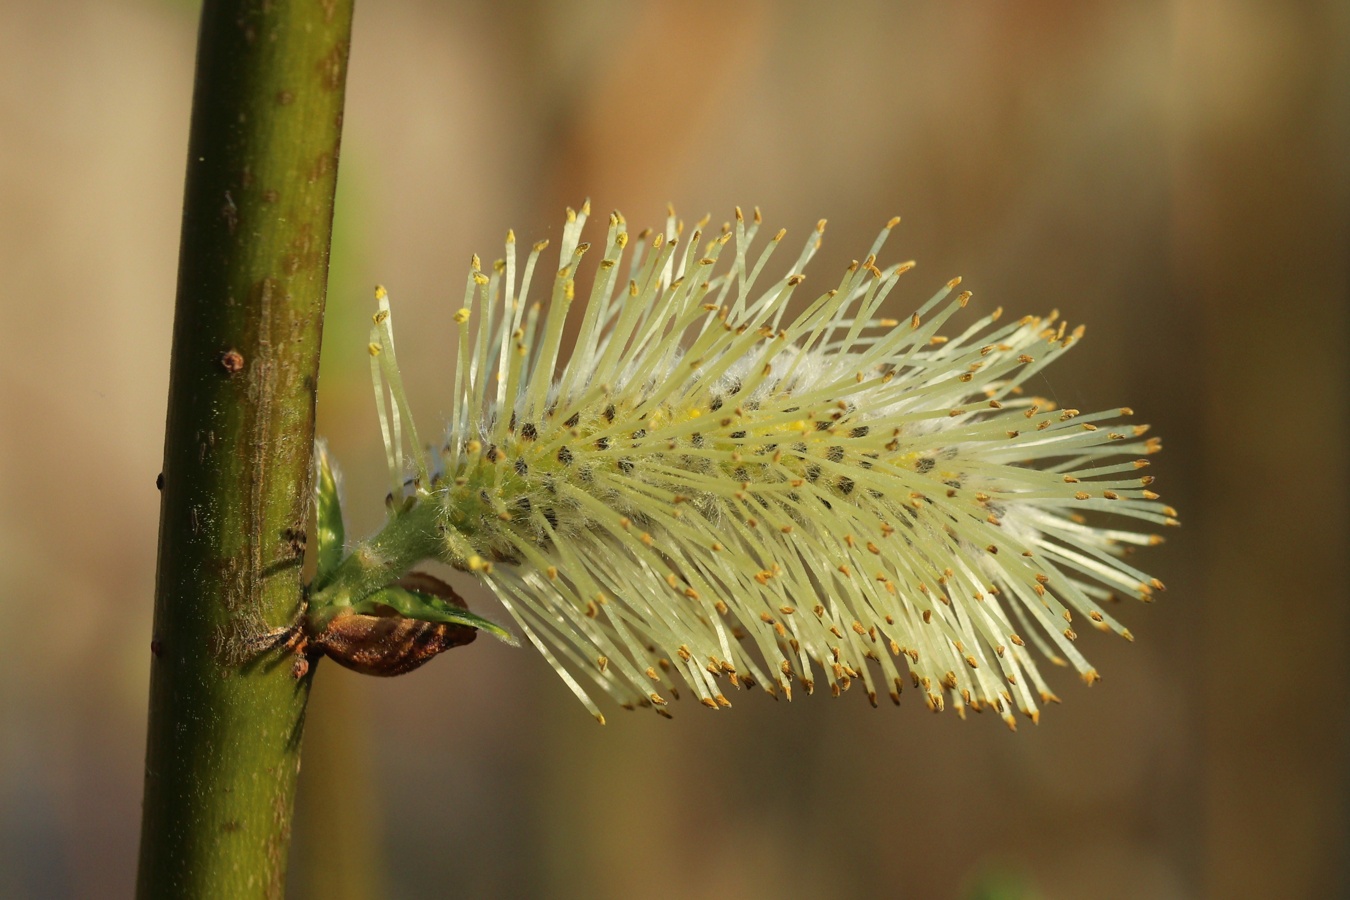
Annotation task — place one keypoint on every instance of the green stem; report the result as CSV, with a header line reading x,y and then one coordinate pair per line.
x,y
410,536
223,744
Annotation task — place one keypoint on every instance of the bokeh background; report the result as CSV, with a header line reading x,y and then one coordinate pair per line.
x,y
1171,172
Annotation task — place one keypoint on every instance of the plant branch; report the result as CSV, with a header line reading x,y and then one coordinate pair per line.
x,y
223,745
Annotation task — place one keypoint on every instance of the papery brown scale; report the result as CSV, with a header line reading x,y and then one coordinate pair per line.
x,y
387,643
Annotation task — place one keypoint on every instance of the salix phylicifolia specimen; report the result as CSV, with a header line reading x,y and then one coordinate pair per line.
x,y
707,489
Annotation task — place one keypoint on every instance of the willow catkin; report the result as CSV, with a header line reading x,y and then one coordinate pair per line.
x,y
704,490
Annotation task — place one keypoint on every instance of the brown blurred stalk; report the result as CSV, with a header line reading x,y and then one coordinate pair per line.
x,y
1261,231
337,853
223,747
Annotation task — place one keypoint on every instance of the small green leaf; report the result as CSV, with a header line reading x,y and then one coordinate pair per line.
x,y
330,534
429,608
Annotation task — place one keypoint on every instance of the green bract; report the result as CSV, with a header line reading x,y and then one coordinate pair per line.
x,y
407,603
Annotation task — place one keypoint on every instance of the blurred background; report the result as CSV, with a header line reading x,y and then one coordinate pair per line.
x,y
1171,172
